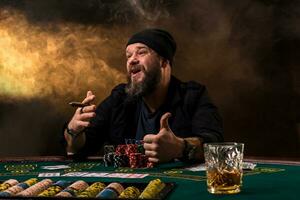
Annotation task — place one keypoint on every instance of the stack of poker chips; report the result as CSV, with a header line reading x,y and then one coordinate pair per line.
x,y
126,155
120,160
112,191
130,193
18,188
7,184
36,188
153,189
80,189
73,190
55,188
92,190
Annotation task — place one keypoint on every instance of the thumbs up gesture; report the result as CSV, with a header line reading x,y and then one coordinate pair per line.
x,y
163,146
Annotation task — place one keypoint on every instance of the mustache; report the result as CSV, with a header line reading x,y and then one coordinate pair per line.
x,y
135,68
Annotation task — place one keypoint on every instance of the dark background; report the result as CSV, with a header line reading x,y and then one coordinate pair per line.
x,y
245,51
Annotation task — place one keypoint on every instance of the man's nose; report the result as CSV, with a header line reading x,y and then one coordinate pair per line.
x,y
133,60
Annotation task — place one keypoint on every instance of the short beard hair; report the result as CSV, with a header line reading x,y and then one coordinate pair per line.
x,y
147,86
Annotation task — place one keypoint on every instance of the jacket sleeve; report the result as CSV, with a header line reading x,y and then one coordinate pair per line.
x,y
206,120
98,132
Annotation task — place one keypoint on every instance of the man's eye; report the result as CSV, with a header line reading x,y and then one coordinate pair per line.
x,y
142,52
128,56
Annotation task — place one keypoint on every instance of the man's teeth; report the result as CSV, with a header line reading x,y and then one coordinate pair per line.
x,y
135,71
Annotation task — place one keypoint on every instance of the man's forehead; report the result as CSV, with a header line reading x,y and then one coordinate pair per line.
x,y
135,46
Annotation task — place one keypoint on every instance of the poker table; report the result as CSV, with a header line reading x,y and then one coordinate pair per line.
x,y
268,180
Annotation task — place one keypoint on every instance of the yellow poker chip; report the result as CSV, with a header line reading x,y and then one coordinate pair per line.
x,y
51,191
152,189
130,193
31,181
92,190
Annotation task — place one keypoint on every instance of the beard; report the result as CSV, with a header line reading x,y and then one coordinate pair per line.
x,y
146,86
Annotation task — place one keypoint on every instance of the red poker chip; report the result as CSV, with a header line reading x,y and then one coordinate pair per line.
x,y
121,149
135,160
131,148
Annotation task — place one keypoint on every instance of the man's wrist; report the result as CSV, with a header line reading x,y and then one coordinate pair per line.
x,y
181,144
72,133
189,151
192,148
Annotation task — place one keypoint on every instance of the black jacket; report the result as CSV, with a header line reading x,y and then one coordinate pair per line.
x,y
193,114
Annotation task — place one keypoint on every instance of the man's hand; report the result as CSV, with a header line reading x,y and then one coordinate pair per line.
x,y
164,146
81,118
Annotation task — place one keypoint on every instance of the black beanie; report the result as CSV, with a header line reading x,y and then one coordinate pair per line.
x,y
159,40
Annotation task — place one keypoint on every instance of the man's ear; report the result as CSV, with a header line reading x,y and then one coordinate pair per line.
x,y
164,62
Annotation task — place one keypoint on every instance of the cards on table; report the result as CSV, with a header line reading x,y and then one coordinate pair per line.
x,y
94,174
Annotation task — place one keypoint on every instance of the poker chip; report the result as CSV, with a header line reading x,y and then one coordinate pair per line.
x,y
135,160
112,191
92,190
18,188
109,159
73,189
80,189
121,149
153,189
130,193
7,184
131,148
36,188
144,160
131,154
140,149
29,182
121,160
55,188
109,149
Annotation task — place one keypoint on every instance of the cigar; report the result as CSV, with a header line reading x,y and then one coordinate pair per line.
x,y
78,104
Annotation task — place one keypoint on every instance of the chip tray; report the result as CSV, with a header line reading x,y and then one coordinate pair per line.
x,y
169,186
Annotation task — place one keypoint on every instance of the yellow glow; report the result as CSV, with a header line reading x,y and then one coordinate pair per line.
x,y
36,61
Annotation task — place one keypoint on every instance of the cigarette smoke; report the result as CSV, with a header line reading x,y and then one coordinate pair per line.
x,y
45,61
245,52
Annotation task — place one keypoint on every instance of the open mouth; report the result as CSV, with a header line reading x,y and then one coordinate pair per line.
x,y
135,71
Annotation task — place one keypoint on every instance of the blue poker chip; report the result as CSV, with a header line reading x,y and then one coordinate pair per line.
x,y
62,183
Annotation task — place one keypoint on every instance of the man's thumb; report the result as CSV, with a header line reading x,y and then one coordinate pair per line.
x,y
164,121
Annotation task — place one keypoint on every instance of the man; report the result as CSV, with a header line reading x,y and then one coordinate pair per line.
x,y
173,118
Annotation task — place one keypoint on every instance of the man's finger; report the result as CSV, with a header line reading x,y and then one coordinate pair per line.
x,y
88,109
89,97
83,124
87,116
154,160
150,146
78,110
149,138
152,154
164,121
89,93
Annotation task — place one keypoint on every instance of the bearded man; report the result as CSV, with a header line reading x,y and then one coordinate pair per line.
x,y
173,118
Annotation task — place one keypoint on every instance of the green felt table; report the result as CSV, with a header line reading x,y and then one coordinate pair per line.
x,y
279,180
